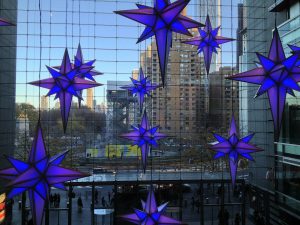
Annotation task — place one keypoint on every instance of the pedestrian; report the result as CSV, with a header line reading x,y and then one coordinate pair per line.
x,y
96,196
226,217
54,199
51,200
221,217
103,202
193,203
237,219
30,222
79,204
58,200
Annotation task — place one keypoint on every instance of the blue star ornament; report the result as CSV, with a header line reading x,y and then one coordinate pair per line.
x,y
151,214
84,69
141,88
277,75
208,42
37,175
144,137
65,84
234,147
161,21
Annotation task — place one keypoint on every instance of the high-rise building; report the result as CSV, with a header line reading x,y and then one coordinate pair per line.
x,y
176,108
287,150
239,35
57,105
223,99
90,98
275,175
135,74
8,35
44,102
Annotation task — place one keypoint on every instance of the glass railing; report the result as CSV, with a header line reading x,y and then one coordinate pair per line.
x,y
289,26
288,148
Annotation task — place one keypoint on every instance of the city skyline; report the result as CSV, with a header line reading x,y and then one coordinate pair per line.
x,y
91,46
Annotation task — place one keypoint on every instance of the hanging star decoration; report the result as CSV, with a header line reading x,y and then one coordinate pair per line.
x,y
84,70
141,87
144,137
65,84
4,22
161,21
208,42
151,214
234,147
37,175
277,76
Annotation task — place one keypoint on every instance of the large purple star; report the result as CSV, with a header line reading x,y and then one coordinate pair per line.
x,y
141,87
162,20
277,76
151,214
4,22
38,175
233,147
144,136
208,42
65,84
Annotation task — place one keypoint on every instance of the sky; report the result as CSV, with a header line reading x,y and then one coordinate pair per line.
x,y
104,36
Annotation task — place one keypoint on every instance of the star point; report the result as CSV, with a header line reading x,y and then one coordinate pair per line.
x,y
4,22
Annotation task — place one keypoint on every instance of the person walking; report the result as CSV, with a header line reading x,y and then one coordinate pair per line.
x,y
96,196
58,200
237,219
103,202
30,222
79,204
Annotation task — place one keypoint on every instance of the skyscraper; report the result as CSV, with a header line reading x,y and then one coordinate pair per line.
x,y
223,99
275,174
7,79
176,108
135,74
44,102
90,98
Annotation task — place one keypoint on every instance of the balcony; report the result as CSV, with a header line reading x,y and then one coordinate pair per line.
x,y
289,30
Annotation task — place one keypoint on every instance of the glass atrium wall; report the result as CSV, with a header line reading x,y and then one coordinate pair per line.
x,y
189,109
